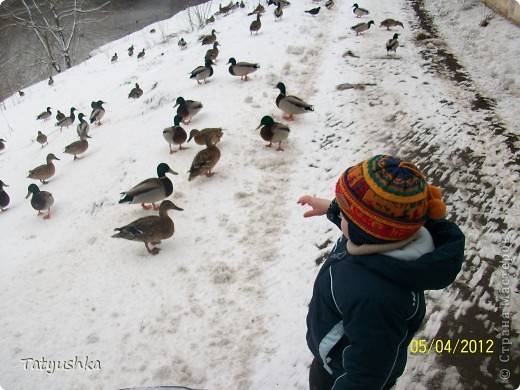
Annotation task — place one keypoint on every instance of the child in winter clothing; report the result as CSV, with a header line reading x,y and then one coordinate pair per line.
x,y
368,298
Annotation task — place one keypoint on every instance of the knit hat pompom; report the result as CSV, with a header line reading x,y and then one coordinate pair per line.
x,y
436,207
386,199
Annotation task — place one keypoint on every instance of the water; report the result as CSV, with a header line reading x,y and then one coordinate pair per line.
x,y
121,17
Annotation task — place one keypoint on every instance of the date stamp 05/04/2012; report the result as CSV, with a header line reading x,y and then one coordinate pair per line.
x,y
460,346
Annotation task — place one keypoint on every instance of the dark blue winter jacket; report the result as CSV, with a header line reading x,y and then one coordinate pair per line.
x,y
366,309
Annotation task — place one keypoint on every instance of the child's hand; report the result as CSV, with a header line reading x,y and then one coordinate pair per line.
x,y
319,206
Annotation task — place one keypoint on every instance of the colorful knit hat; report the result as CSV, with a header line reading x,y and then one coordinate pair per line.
x,y
386,199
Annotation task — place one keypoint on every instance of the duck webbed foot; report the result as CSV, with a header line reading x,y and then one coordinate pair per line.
x,y
152,251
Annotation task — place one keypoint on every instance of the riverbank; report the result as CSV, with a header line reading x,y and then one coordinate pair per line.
x,y
20,67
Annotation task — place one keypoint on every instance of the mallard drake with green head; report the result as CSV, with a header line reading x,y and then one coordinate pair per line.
x,y
136,92
202,72
200,135
151,190
208,39
361,27
291,105
45,114
151,229
77,147
392,44
175,135
68,120
41,139
242,69
4,197
187,109
255,24
2,144
45,171
206,159
388,23
212,54
358,11
98,112
40,200
272,131
83,126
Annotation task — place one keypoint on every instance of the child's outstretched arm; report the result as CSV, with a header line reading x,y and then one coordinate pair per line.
x,y
319,206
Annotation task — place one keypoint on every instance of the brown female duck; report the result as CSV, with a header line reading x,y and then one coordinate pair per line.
x,y
151,229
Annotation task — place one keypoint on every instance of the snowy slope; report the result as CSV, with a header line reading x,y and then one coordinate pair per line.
x,y
223,305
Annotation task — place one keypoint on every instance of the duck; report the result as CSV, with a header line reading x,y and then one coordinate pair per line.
x,y
77,147
182,43
392,44
59,115
131,51
114,58
278,12
361,27
291,105
242,69
390,23
51,80
68,120
313,11
276,3
151,190
41,139
45,171
45,114
255,24
224,10
208,39
200,135
187,109
202,72
206,159
2,144
272,131
358,11
151,229
136,92
212,54
141,54
98,112
40,200
4,197
329,4
21,93
211,19
258,10
83,126
175,135
242,5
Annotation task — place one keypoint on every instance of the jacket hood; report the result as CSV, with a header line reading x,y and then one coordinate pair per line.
x,y
432,271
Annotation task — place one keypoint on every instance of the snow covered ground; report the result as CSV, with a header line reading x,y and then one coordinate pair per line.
x,y
223,305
